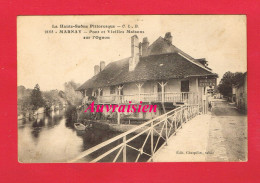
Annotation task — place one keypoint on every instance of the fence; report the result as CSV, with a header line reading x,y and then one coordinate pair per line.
x,y
161,127
175,97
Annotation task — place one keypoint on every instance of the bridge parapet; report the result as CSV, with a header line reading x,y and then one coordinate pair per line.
x,y
163,126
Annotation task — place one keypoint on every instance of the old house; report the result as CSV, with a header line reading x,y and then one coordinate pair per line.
x,y
240,93
157,73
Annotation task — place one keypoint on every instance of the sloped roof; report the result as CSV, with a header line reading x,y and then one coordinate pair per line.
x,y
153,67
161,46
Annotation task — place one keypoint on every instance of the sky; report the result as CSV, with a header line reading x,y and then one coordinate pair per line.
x,y
55,58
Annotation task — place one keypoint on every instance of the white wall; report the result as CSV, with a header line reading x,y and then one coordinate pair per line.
x,y
148,87
106,91
130,89
173,85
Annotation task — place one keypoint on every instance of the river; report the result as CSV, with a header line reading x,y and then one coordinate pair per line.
x,y
50,138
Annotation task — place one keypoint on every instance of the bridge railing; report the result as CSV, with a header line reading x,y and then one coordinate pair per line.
x,y
157,130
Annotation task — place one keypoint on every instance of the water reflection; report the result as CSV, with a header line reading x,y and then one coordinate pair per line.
x,y
50,138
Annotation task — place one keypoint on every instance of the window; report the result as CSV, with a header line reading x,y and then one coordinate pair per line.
x,y
112,89
159,88
185,86
95,92
122,92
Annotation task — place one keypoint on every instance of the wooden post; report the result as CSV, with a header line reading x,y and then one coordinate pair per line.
x,y
118,117
119,93
163,85
197,91
99,91
84,93
139,85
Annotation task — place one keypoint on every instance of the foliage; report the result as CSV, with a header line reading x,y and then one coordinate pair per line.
x,y
23,104
71,113
88,115
23,99
32,99
54,97
36,98
229,79
84,115
73,97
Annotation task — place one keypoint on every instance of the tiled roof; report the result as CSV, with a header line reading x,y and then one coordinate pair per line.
x,y
161,46
153,67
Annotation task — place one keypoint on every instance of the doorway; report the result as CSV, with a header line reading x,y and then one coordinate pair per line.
x,y
185,88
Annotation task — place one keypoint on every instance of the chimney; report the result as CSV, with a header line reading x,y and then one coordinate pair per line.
x,y
133,61
102,65
134,45
168,37
203,61
96,70
145,45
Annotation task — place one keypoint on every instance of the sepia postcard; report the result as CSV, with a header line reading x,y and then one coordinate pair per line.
x,y
132,88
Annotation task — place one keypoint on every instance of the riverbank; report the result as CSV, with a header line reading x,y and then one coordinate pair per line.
x,y
49,139
32,114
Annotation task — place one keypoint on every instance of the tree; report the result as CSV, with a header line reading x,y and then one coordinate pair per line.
x,y
229,79
53,97
23,99
36,98
73,97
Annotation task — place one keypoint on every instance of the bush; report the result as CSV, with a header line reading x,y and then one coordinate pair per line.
x,y
47,109
71,113
83,115
86,116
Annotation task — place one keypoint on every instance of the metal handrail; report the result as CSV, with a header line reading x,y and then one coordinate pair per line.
x,y
189,97
164,118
